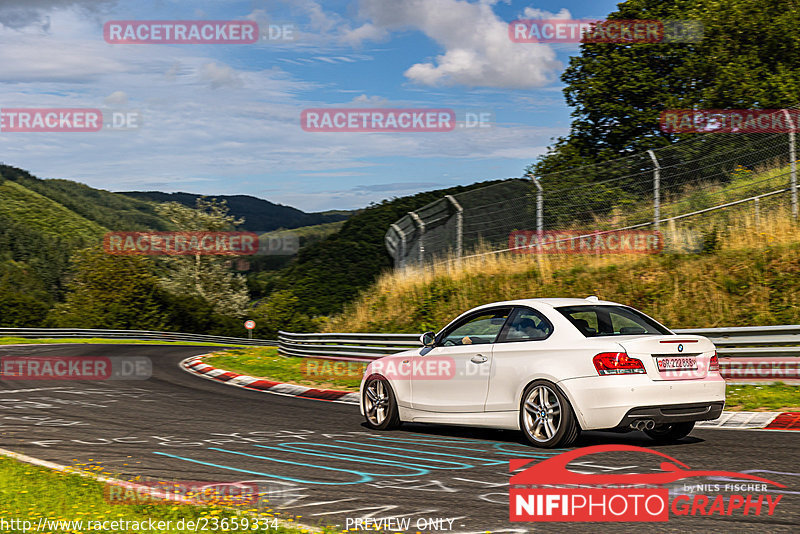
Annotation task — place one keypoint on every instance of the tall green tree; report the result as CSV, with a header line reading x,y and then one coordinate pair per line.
x,y
748,57
109,291
208,277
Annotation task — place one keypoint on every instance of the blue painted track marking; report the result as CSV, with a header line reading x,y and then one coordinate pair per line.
x,y
349,457
495,448
483,460
364,476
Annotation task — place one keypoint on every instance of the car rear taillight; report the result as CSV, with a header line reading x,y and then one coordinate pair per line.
x,y
617,363
713,365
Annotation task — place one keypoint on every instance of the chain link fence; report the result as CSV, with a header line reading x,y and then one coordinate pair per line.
x,y
617,206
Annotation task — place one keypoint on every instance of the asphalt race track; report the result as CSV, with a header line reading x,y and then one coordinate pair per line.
x,y
318,461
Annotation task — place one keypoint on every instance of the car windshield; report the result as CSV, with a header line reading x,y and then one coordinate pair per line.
x,y
607,320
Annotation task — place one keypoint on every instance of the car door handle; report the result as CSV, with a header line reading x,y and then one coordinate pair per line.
x,y
478,358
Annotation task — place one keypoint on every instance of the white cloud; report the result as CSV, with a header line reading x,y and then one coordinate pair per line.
x,y
219,75
477,49
18,14
535,13
116,99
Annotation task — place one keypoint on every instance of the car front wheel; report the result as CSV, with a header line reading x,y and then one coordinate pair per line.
x,y
380,406
546,417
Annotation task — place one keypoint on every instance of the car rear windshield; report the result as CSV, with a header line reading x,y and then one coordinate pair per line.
x,y
606,320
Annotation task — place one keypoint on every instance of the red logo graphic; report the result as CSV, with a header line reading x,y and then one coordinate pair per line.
x,y
51,120
377,120
416,368
182,492
729,120
586,31
181,243
621,497
55,368
180,32
576,242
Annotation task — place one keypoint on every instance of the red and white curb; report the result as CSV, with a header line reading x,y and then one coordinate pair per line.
x,y
196,366
754,421
728,420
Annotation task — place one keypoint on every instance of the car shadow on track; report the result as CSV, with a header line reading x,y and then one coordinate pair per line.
x,y
585,439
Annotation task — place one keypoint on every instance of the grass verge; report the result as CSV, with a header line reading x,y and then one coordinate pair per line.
x,y
265,362
325,374
778,397
97,340
30,493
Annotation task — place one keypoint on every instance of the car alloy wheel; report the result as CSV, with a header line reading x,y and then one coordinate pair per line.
x,y
380,408
546,416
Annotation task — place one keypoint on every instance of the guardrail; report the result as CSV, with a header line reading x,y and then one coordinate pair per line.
x,y
749,352
746,341
147,335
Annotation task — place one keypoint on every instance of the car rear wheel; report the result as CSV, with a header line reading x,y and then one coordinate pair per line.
x,y
380,406
671,432
546,417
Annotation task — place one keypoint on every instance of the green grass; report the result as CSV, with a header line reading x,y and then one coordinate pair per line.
x,y
266,363
778,397
29,492
97,340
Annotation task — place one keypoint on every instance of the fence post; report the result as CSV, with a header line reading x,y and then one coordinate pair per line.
x,y
539,207
421,225
792,162
459,225
656,189
402,255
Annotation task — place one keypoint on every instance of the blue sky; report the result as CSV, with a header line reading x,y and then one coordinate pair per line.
x,y
224,118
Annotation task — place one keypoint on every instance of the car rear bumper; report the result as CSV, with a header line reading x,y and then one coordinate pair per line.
x,y
674,413
604,402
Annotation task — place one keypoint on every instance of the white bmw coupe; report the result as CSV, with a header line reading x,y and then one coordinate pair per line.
x,y
551,368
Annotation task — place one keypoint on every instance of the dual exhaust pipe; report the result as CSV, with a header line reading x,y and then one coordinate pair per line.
x,y
643,424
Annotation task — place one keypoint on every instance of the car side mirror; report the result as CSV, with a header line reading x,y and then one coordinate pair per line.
x,y
428,339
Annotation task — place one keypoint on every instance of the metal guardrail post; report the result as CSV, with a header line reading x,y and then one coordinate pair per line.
x,y
421,225
401,255
656,189
459,225
792,161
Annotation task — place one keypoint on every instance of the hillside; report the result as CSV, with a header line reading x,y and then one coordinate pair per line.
x,y
329,273
260,215
108,210
748,274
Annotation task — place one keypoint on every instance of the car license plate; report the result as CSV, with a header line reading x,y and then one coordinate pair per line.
x,y
676,363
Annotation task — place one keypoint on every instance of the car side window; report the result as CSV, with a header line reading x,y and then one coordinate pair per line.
x,y
477,329
526,324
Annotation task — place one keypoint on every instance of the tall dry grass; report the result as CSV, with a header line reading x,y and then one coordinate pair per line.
x,y
731,268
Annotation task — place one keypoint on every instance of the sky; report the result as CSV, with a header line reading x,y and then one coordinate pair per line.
x,y
225,119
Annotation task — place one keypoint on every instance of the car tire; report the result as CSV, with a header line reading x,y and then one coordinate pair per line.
x,y
380,405
546,416
670,433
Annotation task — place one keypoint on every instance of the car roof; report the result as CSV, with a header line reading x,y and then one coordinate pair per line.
x,y
552,302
